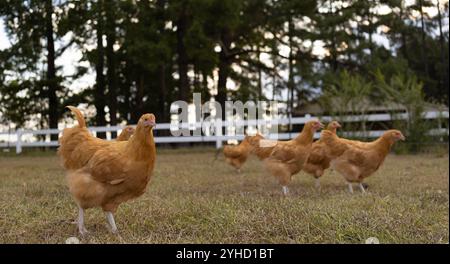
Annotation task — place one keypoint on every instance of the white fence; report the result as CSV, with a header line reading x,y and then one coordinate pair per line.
x,y
19,141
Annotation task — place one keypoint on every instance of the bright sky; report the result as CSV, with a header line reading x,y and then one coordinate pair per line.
x,y
4,42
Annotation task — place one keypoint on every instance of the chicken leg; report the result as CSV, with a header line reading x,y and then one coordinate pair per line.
x,y
285,190
112,223
317,183
350,187
361,186
81,228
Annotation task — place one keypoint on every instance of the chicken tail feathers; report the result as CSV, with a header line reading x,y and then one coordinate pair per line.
x,y
78,115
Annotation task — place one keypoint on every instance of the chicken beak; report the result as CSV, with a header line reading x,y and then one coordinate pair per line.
x,y
149,123
321,126
402,138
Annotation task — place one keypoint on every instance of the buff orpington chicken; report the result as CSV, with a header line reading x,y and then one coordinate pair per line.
x,y
355,162
237,155
260,146
104,173
126,133
319,160
288,157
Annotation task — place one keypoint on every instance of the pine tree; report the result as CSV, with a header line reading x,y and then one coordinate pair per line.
x,y
30,25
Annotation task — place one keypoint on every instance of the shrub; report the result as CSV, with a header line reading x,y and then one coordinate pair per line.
x,y
407,91
347,94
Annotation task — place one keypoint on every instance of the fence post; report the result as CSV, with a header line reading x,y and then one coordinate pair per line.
x,y
441,138
19,141
218,129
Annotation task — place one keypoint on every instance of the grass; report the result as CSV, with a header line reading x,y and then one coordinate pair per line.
x,y
192,199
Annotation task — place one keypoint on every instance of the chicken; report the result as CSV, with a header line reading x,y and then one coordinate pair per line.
x,y
126,133
237,155
319,160
288,157
355,162
260,146
104,173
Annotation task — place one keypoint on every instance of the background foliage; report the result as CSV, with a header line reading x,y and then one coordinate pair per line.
x,y
146,54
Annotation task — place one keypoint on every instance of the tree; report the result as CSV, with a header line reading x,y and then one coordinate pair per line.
x,y
407,91
30,24
110,12
444,65
99,88
348,94
146,54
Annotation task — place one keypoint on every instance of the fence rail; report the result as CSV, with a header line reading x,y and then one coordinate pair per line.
x,y
19,142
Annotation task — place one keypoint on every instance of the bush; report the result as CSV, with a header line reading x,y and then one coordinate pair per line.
x,y
352,93
407,91
345,94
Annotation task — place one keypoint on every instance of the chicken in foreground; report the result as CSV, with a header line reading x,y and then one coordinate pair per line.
x,y
126,133
104,173
355,162
319,160
288,157
261,147
237,155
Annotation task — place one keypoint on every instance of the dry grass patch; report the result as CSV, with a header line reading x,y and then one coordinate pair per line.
x,y
194,199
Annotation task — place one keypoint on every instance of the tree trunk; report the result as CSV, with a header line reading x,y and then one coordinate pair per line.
x,y
99,92
140,95
182,58
165,116
260,86
224,69
274,85
205,85
291,73
370,32
334,63
163,94
196,81
129,75
423,54
404,48
128,101
444,70
111,73
51,70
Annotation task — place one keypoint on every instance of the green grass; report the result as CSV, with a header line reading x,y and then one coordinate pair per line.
x,y
192,199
